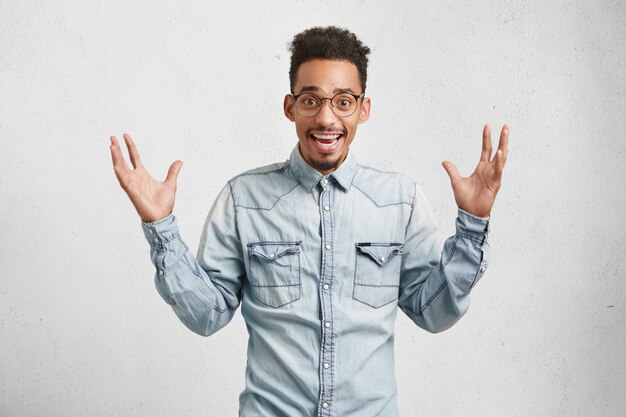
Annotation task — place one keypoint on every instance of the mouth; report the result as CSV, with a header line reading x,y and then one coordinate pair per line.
x,y
326,141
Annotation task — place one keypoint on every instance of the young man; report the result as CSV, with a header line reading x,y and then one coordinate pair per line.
x,y
319,251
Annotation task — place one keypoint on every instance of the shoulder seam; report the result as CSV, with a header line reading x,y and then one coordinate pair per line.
x,y
251,172
377,170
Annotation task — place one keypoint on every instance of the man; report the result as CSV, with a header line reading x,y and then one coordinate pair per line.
x,y
319,251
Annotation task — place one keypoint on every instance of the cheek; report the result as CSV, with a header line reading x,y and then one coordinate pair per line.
x,y
301,132
351,127
304,125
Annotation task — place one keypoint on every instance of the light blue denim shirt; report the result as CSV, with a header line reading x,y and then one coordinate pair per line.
x,y
319,266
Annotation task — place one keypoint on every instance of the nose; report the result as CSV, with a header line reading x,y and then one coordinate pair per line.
x,y
326,116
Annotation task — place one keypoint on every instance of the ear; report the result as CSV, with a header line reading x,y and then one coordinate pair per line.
x,y
365,110
288,107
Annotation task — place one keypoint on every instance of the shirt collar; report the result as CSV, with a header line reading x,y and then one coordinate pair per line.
x,y
309,176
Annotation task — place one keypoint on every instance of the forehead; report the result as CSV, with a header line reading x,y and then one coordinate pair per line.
x,y
327,75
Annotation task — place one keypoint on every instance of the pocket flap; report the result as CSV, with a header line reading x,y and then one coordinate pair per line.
x,y
270,251
381,253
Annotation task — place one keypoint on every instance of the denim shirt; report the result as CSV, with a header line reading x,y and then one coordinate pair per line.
x,y
319,265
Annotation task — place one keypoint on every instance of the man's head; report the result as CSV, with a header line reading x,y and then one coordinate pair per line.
x,y
328,43
327,63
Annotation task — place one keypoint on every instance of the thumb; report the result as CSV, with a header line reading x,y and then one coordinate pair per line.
x,y
453,173
172,173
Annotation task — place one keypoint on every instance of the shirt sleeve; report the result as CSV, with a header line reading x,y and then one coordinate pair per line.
x,y
435,284
203,291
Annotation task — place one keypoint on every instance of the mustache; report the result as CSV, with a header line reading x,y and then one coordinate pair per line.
x,y
325,129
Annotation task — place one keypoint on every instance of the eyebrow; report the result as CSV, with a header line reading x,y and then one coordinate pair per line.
x,y
335,91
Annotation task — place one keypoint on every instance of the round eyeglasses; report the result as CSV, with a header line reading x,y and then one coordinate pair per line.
x,y
342,104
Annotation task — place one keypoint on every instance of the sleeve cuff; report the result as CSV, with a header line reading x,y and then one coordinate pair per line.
x,y
473,227
162,231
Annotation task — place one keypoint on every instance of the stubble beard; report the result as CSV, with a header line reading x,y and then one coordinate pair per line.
x,y
328,165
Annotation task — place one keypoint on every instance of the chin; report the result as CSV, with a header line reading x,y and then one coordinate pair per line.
x,y
328,164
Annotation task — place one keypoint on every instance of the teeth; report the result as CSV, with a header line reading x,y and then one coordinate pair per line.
x,y
325,136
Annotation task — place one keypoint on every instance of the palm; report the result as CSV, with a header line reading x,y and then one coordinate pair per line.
x,y
152,199
477,193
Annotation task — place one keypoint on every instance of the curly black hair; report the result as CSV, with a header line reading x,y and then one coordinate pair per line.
x,y
328,42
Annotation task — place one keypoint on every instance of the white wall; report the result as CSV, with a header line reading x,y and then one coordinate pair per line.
x,y
83,331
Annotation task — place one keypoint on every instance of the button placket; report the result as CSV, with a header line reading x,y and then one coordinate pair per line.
x,y
326,353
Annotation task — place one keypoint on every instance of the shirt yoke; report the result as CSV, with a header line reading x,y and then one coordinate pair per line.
x,y
261,188
384,188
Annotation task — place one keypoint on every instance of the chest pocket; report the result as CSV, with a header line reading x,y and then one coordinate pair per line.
x,y
275,272
377,273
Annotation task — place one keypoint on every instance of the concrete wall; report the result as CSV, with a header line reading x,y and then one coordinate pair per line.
x,y
83,331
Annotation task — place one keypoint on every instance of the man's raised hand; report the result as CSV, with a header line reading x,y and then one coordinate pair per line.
x,y
152,199
477,193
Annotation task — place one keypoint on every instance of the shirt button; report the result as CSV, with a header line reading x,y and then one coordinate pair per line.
x,y
482,269
326,208
324,405
327,246
325,181
161,272
325,286
272,255
326,365
151,231
327,324
382,259
156,240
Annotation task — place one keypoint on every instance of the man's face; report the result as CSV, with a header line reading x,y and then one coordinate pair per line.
x,y
325,138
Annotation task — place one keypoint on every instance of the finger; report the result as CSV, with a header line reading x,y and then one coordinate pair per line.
x,y
503,145
499,164
486,152
119,164
172,173
132,152
453,173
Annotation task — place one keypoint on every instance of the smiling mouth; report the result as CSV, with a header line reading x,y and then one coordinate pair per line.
x,y
326,140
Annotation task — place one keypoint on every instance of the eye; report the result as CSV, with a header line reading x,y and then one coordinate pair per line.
x,y
308,101
344,102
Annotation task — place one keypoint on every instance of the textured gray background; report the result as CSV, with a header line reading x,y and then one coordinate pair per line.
x,y
83,331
